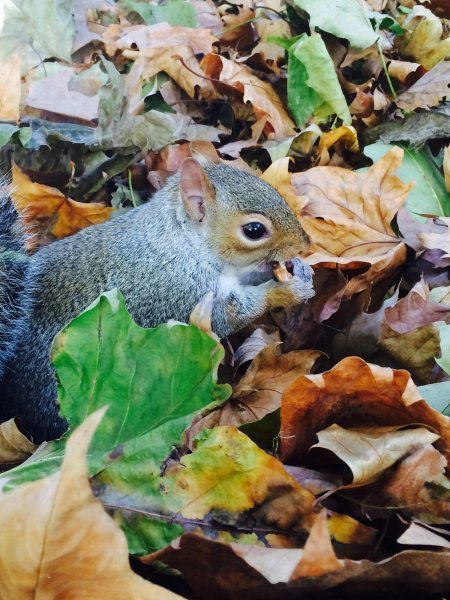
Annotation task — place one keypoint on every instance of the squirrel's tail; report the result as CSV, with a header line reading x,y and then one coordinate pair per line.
x,y
13,273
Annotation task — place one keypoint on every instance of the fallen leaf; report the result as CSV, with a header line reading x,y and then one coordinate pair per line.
x,y
259,93
401,69
417,535
440,241
446,167
53,94
413,487
423,38
10,88
428,90
370,452
353,394
318,556
253,345
14,446
348,20
52,212
71,547
259,391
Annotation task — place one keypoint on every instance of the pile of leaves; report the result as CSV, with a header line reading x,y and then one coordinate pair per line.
x,y
307,455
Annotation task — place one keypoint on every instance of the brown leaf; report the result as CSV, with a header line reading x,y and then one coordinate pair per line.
x,y
14,446
70,547
50,212
224,571
348,214
428,91
240,80
318,555
260,389
409,486
369,453
409,332
353,394
417,535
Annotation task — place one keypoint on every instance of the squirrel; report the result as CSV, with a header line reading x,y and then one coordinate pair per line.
x,y
212,227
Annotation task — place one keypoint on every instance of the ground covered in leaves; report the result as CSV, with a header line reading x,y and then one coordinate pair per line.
x,y
308,455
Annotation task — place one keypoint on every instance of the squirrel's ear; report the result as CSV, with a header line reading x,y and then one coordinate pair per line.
x,y
196,189
204,152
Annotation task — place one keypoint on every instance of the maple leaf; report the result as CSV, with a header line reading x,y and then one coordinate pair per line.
x,y
44,204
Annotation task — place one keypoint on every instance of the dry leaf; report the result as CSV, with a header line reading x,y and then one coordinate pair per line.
x,y
417,535
47,209
10,88
14,446
428,90
69,547
354,394
318,555
400,69
446,166
347,214
259,391
409,487
439,241
52,94
370,452
409,332
262,96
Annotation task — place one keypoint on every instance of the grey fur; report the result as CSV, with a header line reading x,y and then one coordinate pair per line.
x,y
163,266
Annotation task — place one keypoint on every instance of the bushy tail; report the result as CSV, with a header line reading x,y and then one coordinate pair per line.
x,y
13,272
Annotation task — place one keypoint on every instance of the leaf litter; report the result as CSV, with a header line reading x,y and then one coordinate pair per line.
x,y
286,464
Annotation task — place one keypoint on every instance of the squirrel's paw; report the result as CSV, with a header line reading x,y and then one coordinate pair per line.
x,y
295,290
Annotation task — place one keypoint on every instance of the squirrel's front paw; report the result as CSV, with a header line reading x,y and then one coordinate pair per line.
x,y
295,290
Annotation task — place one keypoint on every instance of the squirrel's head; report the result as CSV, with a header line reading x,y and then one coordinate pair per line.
x,y
243,220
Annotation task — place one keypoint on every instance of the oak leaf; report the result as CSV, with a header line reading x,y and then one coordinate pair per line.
x,y
354,394
50,211
69,547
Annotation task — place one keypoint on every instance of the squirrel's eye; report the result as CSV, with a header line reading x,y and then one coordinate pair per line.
x,y
254,230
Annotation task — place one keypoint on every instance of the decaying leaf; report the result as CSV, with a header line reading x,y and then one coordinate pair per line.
x,y
70,547
353,394
50,211
14,446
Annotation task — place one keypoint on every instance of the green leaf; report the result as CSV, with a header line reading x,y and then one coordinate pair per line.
x,y
429,195
44,29
444,360
313,86
174,12
438,396
6,132
346,19
154,381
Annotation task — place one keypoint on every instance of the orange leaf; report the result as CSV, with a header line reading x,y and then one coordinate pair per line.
x,y
47,209
353,394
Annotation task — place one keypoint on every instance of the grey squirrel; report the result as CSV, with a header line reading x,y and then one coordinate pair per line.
x,y
210,228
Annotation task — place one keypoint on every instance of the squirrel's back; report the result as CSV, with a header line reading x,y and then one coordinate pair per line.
x,y
15,295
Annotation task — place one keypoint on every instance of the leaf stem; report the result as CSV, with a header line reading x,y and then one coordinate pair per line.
x,y
388,77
